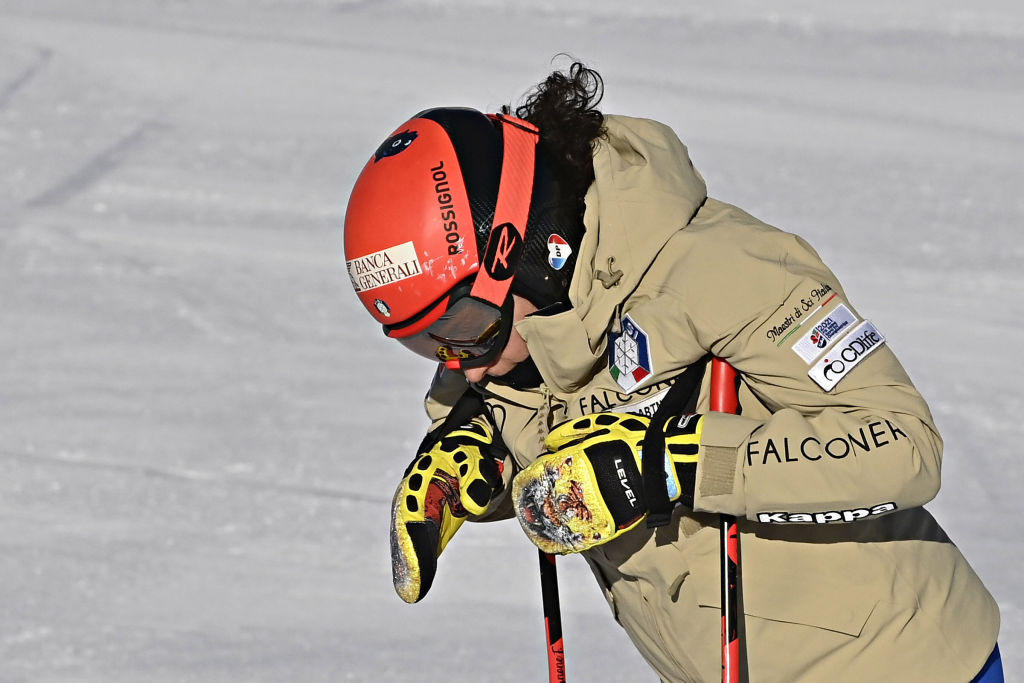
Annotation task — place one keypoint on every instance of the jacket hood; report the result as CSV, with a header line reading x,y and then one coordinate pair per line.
x,y
645,190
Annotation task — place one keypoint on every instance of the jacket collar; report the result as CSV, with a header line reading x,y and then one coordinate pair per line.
x,y
645,190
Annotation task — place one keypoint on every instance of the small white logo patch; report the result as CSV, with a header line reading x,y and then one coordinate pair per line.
x,y
824,334
847,354
384,267
559,251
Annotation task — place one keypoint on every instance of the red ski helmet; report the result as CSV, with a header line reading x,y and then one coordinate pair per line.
x,y
455,211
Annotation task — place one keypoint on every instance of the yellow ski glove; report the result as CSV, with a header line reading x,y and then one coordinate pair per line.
x,y
588,489
456,477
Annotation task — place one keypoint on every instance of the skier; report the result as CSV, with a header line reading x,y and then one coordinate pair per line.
x,y
572,278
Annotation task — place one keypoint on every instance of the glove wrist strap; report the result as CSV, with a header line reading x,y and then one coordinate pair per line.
x,y
681,398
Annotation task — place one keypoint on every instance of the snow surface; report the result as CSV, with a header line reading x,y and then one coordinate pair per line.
x,y
200,429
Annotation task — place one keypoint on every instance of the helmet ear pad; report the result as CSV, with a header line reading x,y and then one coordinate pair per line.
x,y
554,211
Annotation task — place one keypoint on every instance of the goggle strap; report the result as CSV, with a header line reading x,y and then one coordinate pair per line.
x,y
515,190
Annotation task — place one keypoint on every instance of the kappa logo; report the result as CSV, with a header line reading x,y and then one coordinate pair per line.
x,y
502,252
630,355
395,144
827,517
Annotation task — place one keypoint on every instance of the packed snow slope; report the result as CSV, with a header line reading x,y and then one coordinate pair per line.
x,y
200,429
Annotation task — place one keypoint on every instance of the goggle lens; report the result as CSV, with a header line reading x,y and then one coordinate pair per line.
x,y
470,333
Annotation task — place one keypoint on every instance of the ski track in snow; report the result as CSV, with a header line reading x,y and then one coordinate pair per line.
x,y
202,430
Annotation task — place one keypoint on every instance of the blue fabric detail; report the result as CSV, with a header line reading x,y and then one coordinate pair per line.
x,y
992,672
673,490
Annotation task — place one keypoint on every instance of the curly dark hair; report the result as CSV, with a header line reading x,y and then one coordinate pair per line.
x,y
564,107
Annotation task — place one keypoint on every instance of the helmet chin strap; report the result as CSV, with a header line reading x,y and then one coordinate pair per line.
x,y
525,375
508,230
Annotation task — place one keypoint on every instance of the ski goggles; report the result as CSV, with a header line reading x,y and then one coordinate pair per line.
x,y
470,326
458,330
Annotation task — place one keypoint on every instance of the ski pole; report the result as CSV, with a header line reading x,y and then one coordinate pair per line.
x,y
552,618
724,399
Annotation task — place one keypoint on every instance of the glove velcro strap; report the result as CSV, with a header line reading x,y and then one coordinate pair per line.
x,y
659,505
686,473
682,448
681,398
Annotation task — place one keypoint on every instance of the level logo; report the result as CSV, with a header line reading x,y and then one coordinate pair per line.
x,y
629,353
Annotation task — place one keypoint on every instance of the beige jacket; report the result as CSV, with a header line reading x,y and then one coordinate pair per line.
x,y
845,576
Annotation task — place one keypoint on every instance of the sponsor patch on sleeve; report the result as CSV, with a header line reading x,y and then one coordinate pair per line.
x,y
847,354
824,334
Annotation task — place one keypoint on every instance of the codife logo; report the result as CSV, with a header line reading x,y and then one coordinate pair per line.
x,y
860,342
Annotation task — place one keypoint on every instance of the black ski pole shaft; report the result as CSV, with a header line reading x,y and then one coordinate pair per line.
x,y
724,399
730,616
552,618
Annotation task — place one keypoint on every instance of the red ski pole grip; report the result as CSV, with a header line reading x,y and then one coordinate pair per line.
x,y
723,387
724,399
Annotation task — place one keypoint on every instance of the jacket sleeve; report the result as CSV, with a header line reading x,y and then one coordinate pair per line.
x,y
831,427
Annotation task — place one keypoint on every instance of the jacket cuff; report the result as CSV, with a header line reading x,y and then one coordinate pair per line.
x,y
719,486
